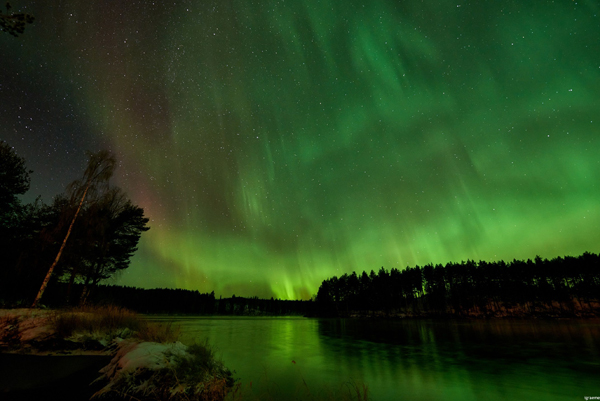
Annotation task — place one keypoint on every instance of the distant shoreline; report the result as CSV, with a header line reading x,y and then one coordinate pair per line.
x,y
446,317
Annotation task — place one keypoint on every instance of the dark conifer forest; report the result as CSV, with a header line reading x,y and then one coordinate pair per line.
x,y
563,286
180,301
560,287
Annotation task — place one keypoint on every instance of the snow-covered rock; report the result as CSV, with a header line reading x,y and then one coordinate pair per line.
x,y
138,369
153,371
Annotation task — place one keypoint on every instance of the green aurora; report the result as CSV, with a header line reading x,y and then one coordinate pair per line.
x,y
275,144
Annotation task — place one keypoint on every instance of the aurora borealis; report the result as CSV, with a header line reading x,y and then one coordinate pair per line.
x,y
274,144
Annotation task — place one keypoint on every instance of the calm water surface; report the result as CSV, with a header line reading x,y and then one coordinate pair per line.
x,y
409,359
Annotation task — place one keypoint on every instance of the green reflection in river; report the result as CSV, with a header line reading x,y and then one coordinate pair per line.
x,y
410,359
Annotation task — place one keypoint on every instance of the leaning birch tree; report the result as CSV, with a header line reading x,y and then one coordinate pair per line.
x,y
100,168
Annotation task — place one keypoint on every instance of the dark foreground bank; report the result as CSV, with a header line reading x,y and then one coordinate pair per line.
x,y
32,377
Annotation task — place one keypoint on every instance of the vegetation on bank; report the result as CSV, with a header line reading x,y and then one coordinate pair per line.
x,y
149,363
158,371
563,286
111,322
77,329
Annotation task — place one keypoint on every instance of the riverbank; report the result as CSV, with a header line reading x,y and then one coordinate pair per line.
x,y
499,310
61,352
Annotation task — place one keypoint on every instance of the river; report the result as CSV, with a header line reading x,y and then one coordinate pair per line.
x,y
407,359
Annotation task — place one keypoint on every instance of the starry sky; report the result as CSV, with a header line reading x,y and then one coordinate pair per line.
x,y
274,144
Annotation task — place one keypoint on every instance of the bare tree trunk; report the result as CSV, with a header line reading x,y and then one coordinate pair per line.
x,y
62,247
84,294
89,281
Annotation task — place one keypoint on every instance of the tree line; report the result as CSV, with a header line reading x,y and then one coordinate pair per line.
x,y
180,301
563,286
86,235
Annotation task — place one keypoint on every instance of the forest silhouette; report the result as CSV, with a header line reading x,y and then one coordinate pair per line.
x,y
560,287
563,286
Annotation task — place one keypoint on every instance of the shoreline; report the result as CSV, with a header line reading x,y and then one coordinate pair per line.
x,y
48,353
448,317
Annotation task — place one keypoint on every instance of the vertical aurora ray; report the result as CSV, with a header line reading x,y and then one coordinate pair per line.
x,y
274,145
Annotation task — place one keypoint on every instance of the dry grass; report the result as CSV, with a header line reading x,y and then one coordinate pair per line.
x,y
158,332
207,377
9,334
113,321
104,319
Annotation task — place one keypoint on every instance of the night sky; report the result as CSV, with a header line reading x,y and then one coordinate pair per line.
x,y
274,144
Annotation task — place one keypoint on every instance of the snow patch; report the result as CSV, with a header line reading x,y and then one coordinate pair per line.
x,y
133,355
33,324
125,372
